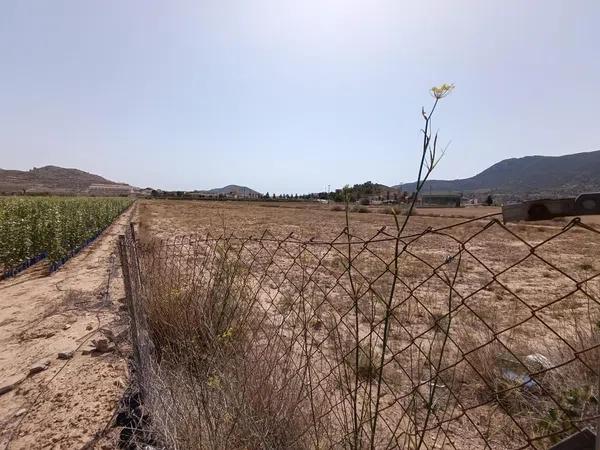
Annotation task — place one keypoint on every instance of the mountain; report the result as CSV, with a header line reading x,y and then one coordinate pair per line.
x,y
232,189
530,176
52,179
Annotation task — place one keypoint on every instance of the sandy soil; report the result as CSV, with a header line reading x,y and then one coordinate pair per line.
x,y
534,287
73,400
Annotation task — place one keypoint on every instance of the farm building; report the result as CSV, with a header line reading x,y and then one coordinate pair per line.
x,y
110,189
441,200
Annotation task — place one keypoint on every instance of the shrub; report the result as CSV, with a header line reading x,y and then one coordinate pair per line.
x,y
360,209
220,378
392,210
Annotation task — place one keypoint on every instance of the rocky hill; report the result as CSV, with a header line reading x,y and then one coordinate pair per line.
x,y
50,179
528,177
233,189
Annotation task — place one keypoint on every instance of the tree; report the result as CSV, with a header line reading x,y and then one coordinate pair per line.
x,y
489,200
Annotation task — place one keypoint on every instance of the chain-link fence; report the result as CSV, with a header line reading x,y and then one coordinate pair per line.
x,y
474,335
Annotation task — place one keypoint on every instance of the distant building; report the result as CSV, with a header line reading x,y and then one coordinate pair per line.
x,y
147,192
232,193
441,200
110,189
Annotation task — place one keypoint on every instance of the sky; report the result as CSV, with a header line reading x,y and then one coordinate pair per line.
x,y
292,96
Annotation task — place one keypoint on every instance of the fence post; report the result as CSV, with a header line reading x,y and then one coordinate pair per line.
x,y
125,268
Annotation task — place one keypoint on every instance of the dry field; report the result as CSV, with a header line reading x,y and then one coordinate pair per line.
x,y
460,333
306,219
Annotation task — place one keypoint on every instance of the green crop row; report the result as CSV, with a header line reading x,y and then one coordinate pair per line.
x,y
55,226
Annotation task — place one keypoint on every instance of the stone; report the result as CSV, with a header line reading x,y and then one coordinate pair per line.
x,y
20,412
8,384
116,334
513,372
90,349
516,377
537,362
67,326
100,345
65,354
39,366
89,326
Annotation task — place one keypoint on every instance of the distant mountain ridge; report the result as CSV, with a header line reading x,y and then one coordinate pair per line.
x,y
60,180
232,189
49,179
528,176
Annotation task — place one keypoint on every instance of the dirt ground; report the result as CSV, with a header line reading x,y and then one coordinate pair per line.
x,y
68,403
521,290
305,219
309,219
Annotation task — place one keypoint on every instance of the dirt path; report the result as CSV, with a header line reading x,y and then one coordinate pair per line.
x,y
66,404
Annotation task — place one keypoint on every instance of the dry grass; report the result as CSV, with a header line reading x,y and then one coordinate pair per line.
x,y
221,380
360,209
393,210
445,354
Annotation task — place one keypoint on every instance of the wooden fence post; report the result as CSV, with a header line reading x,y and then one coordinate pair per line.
x,y
129,298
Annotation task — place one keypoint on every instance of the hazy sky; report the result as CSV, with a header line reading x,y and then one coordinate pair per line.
x,y
290,96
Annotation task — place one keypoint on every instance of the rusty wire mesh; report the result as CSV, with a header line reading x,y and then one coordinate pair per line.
x,y
467,336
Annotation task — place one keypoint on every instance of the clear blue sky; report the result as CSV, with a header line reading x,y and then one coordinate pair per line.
x,y
290,96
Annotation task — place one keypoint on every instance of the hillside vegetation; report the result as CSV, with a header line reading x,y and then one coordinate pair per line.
x,y
530,176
